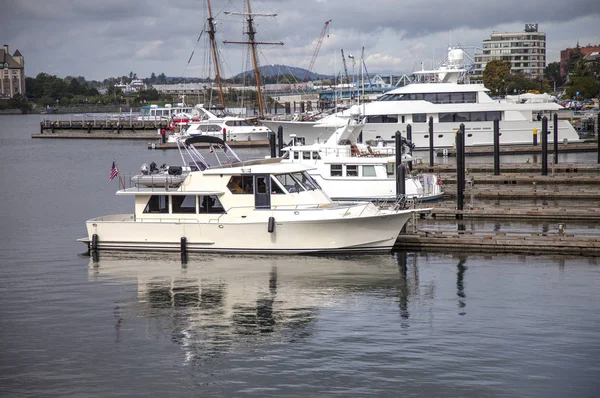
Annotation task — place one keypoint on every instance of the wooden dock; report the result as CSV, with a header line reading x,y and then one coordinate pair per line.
x,y
568,196
501,242
523,149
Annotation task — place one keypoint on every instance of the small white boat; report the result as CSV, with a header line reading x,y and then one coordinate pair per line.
x,y
261,206
348,170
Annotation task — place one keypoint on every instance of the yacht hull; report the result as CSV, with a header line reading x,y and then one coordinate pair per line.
x,y
336,234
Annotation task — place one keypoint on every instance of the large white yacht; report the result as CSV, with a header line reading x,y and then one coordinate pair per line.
x,y
450,103
216,122
349,170
260,206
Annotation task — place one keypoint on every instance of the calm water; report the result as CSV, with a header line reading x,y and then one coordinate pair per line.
x,y
410,325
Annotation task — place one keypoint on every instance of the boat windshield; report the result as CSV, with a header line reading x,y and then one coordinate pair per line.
x,y
297,182
238,123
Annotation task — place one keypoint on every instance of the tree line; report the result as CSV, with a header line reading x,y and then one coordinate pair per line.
x,y
582,77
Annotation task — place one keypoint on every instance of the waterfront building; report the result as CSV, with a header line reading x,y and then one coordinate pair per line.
x,y
12,73
526,52
567,54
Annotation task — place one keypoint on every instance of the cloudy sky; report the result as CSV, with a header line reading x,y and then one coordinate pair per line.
x,y
104,38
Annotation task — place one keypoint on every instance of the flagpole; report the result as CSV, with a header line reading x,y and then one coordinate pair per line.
x,y
120,178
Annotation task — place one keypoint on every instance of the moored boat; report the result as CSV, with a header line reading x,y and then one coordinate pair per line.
x,y
260,206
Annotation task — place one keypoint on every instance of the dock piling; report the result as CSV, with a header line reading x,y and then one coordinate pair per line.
x,y
496,147
280,140
409,138
431,141
544,146
555,130
598,136
534,136
400,169
460,170
272,144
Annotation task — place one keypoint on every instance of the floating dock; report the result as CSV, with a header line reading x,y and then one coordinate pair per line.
x,y
569,196
523,149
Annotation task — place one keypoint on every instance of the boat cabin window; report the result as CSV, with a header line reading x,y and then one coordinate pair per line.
x,y
382,119
290,184
183,204
241,184
436,98
336,170
307,181
351,170
470,116
275,187
316,155
306,155
296,155
210,204
368,171
419,117
157,204
237,123
390,168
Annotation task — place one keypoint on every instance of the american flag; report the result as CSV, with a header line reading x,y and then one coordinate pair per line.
x,y
113,171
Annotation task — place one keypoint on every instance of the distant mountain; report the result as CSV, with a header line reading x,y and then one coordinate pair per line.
x,y
272,71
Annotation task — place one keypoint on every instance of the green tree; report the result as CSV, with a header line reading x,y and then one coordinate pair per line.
x,y
496,75
552,73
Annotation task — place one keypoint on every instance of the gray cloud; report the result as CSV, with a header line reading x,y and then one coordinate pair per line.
x,y
113,37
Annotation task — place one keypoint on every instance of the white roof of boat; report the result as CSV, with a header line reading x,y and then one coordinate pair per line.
x,y
415,88
262,166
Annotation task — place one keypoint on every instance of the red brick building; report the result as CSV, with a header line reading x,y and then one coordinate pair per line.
x,y
565,55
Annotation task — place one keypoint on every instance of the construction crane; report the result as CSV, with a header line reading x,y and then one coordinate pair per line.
x,y
317,48
345,68
362,57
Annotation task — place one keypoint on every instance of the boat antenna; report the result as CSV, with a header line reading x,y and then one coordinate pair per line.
x,y
253,43
213,44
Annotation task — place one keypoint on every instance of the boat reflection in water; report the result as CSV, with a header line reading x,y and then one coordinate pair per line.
x,y
210,303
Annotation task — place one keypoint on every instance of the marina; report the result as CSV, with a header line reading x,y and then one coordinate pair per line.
x,y
434,234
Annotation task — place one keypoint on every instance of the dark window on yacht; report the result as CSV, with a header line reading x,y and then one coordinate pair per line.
x,y
213,128
416,97
315,155
275,187
491,115
403,119
446,117
352,170
296,155
306,155
184,204
261,184
306,180
157,204
291,184
382,119
469,98
478,116
419,118
443,98
430,97
210,204
240,185
462,117
456,98
336,170
469,135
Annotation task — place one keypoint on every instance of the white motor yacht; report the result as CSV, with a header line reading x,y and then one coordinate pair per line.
x,y
216,123
348,170
260,206
449,102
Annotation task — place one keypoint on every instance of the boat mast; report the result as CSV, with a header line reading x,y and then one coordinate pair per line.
x,y
213,43
251,40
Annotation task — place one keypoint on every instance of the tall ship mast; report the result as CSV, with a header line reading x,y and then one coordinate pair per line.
x,y
253,43
213,44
